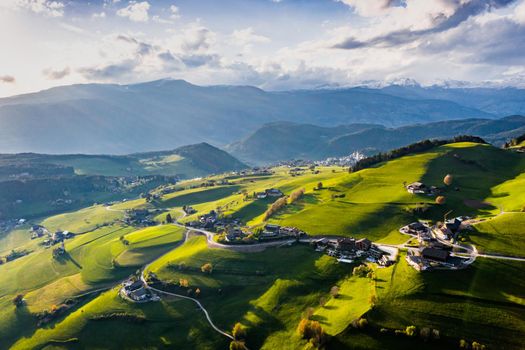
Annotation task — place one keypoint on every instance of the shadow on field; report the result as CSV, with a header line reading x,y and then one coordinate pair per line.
x,y
203,196
475,171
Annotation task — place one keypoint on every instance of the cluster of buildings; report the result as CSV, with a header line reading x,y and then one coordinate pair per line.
x,y
269,192
434,251
188,210
137,291
37,231
57,237
139,217
349,160
420,188
212,222
347,249
271,232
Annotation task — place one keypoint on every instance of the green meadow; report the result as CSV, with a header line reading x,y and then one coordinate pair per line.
x,y
270,291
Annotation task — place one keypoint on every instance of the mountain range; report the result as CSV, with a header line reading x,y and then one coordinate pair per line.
x,y
281,141
163,114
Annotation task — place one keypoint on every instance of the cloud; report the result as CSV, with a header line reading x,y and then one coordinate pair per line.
x,y
175,12
56,74
368,8
197,37
135,11
247,36
8,79
110,71
435,16
51,8
99,15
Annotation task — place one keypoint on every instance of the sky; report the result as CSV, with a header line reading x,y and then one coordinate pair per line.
x,y
271,44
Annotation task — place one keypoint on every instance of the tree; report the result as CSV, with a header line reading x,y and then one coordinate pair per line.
x,y
463,344
307,314
311,330
207,268
18,300
334,291
362,323
296,195
238,332
440,200
320,186
237,345
410,331
322,301
169,219
477,346
424,333
183,282
448,180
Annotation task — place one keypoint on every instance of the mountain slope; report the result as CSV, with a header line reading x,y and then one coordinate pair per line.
x,y
281,141
186,162
121,119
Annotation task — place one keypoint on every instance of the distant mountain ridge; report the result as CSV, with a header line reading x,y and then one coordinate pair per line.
x,y
123,119
281,141
185,162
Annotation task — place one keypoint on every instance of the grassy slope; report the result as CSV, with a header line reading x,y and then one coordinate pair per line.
x,y
266,291
462,304
295,278
94,260
503,234
82,220
167,326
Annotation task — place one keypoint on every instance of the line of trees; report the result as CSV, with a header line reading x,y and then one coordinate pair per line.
x,y
296,195
275,207
514,142
417,147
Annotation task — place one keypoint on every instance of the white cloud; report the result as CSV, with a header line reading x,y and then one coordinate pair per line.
x,y
175,12
99,15
247,36
49,8
135,11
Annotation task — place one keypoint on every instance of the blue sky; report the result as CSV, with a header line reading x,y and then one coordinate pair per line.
x,y
286,44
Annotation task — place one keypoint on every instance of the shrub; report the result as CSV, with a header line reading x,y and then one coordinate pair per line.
x,y
311,330
334,291
410,331
361,271
448,180
18,300
239,332
237,345
440,200
207,268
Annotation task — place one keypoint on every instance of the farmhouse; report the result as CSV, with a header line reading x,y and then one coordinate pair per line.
x,y
233,233
346,244
274,192
435,254
420,188
137,291
261,195
416,187
416,262
363,244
